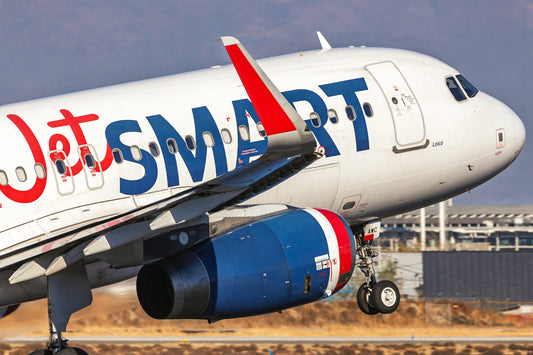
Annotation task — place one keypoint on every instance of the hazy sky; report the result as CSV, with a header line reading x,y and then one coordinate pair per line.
x,y
53,47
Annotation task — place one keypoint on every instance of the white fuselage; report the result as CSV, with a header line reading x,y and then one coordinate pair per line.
x,y
411,145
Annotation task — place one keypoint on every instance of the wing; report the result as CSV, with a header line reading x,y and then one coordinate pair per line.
x,y
291,147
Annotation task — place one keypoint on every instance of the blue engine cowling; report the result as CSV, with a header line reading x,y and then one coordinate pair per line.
x,y
272,264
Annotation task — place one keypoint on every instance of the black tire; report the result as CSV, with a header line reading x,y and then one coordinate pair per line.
x,y
363,298
41,352
71,351
385,296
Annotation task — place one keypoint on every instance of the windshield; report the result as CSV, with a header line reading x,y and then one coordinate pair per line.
x,y
455,89
470,89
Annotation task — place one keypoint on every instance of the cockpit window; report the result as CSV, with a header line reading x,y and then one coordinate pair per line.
x,y
455,89
470,89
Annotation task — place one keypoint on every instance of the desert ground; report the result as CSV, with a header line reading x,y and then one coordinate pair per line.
x,y
117,312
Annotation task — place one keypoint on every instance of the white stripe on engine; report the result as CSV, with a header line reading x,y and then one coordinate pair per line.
x,y
333,247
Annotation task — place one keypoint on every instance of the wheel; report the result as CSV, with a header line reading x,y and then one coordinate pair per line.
x,y
71,351
363,298
385,296
41,352
65,351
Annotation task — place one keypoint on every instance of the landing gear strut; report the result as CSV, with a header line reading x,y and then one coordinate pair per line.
x,y
373,297
68,292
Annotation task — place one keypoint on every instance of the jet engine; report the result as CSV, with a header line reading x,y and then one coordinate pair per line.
x,y
268,265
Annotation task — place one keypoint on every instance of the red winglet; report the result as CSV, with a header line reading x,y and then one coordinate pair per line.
x,y
260,89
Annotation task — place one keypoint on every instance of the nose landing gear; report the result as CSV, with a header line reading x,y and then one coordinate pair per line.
x,y
373,297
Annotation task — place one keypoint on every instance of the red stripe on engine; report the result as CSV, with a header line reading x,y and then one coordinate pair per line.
x,y
343,240
271,114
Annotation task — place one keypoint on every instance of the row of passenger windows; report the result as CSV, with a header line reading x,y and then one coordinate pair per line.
x,y
244,133
332,114
172,145
455,89
40,172
21,174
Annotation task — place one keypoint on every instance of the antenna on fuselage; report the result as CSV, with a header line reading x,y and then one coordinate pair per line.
x,y
323,41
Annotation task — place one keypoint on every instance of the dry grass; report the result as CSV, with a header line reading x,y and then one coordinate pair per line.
x,y
112,314
121,315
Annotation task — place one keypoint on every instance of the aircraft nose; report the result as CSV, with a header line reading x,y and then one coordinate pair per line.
x,y
510,134
517,134
514,132
519,131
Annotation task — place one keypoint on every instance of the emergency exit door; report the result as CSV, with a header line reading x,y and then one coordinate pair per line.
x,y
410,132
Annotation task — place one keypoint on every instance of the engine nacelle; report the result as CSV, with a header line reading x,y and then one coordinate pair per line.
x,y
269,265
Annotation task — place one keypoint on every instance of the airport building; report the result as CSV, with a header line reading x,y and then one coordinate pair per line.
x,y
448,227
461,253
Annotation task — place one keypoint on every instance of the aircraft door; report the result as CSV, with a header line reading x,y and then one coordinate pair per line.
x,y
62,172
91,166
406,114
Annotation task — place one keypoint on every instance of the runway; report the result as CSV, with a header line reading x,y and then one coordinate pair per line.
x,y
276,340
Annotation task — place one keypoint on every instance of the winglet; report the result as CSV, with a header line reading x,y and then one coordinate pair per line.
x,y
286,130
323,41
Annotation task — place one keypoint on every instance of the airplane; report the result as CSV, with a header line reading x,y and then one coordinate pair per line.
x,y
240,189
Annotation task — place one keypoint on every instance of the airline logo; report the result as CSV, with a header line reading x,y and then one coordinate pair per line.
x,y
59,147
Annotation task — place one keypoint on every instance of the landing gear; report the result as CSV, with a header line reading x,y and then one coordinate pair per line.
x,y
373,297
65,351
385,296
68,292
365,301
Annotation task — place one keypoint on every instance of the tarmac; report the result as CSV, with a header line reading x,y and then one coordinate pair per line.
x,y
276,340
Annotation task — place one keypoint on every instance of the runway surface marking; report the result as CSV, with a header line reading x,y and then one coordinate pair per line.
x,y
277,340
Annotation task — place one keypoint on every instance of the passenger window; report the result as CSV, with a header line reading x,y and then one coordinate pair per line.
x,y
350,113
154,149
136,153
61,166
368,109
39,171
172,146
21,174
3,178
208,139
117,155
455,89
470,89
332,115
244,133
261,129
89,161
226,136
189,141
315,119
